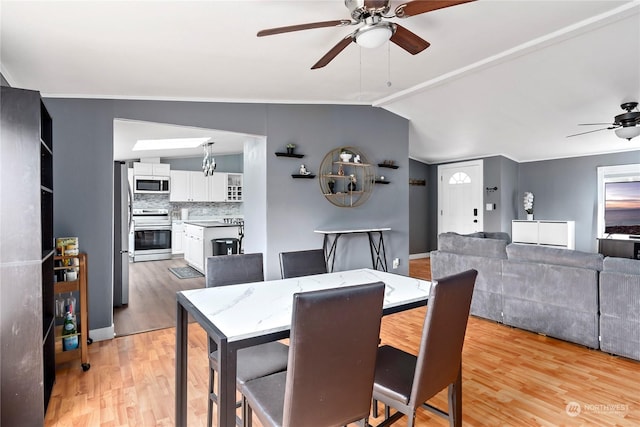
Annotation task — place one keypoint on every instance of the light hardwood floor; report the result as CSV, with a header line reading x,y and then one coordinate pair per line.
x,y
510,378
152,297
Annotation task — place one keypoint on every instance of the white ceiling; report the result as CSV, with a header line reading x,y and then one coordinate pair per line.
x,y
127,132
501,77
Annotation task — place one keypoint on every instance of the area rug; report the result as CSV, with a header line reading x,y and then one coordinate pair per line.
x,y
185,272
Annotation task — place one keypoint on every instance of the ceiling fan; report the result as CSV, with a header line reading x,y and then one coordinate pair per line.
x,y
374,29
626,125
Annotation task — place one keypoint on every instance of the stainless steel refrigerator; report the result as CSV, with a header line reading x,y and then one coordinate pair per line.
x,y
121,229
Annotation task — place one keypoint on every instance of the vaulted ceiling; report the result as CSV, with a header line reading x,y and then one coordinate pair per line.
x,y
509,78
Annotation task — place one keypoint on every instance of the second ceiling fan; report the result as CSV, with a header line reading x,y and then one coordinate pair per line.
x,y
374,28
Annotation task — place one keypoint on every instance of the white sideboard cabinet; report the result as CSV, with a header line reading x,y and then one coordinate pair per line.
x,y
548,233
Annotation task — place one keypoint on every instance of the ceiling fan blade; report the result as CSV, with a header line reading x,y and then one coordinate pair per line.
x,y
590,131
408,40
300,27
328,57
417,7
595,124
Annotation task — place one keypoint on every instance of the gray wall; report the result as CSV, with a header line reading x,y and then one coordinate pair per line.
x,y
566,189
227,163
502,173
286,217
419,208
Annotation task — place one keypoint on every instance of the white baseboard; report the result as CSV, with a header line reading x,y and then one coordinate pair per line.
x,y
418,256
103,334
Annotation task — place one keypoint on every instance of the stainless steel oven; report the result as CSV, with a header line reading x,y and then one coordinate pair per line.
x,y
151,234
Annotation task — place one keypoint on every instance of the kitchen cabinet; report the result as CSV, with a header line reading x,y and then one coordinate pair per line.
x,y
151,169
193,186
217,187
177,237
188,186
193,246
234,187
197,240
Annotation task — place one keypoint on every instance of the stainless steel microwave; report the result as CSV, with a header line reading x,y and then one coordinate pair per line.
x,y
151,184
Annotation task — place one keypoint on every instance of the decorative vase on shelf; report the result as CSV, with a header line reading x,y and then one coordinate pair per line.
x,y
331,187
529,217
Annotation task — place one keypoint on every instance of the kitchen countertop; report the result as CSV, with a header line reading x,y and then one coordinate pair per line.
x,y
209,224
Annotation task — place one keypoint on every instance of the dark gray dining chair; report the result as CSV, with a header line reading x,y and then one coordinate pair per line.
x,y
302,263
253,362
329,380
405,382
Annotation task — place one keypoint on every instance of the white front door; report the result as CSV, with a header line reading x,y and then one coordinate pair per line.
x,y
460,197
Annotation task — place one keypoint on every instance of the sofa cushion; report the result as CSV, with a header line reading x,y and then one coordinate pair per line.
x,y
466,245
554,256
621,265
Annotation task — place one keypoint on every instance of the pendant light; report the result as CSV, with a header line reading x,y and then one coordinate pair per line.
x,y
208,162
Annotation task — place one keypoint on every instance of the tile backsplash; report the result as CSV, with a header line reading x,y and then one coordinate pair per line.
x,y
196,209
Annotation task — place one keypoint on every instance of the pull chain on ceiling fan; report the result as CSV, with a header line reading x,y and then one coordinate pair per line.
x,y
374,29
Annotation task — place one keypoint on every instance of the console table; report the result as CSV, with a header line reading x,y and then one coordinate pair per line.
x,y
376,245
545,232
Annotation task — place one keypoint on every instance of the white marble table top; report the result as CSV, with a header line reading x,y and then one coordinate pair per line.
x,y
351,230
255,309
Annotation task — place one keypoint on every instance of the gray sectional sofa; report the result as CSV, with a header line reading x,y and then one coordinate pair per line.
x,y
575,296
620,307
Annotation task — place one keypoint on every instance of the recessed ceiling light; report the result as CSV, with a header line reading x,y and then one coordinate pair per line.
x,y
168,144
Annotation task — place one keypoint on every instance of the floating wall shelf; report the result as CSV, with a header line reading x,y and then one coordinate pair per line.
x,y
297,156
295,175
385,165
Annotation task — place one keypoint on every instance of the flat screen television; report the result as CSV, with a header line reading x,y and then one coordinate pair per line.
x,y
622,208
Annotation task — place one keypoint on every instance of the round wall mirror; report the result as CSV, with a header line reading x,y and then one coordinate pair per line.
x,y
346,177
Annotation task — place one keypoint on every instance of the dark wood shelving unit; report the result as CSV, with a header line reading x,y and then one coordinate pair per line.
x,y
26,160
296,156
296,175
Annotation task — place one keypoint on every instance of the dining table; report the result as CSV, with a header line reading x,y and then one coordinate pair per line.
x,y
244,315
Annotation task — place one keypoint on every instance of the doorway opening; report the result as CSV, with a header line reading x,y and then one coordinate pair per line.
x,y
150,286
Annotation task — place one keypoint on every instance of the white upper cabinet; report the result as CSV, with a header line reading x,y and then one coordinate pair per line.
x,y
217,187
151,169
193,186
180,187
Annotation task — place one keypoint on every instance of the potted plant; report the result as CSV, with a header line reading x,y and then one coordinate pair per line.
x,y
528,205
290,148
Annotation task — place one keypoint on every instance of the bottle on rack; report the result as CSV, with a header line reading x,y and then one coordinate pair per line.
x,y
69,332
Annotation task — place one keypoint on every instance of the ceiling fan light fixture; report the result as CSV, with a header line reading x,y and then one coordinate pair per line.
x,y
372,36
628,132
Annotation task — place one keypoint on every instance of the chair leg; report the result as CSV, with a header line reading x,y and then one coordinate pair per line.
x,y
411,419
455,401
247,413
387,412
210,404
374,408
